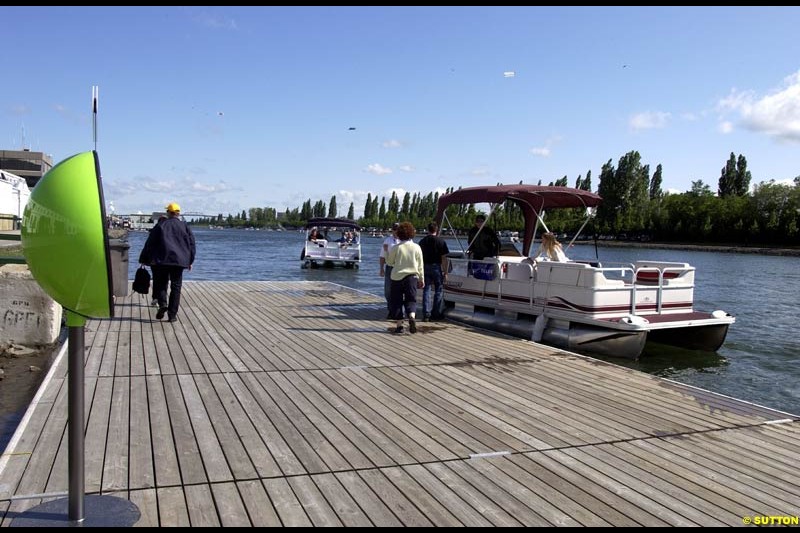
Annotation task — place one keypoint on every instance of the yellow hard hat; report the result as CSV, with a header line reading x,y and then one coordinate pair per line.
x,y
173,208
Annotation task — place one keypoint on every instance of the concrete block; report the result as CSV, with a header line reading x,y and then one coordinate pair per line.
x,y
28,316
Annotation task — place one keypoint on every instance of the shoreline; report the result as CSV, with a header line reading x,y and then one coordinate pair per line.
x,y
723,248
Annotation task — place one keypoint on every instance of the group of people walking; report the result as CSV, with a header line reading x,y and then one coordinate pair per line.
x,y
406,267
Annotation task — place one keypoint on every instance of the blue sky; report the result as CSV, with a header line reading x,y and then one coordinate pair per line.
x,y
226,108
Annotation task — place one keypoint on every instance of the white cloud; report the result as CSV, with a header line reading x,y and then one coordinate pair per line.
x,y
542,151
725,127
649,120
407,168
546,150
68,114
776,114
145,193
214,187
378,169
215,21
20,109
392,143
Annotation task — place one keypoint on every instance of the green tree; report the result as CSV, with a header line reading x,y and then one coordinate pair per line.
x,y
368,207
655,185
742,177
727,179
393,207
382,211
332,207
700,189
608,211
306,211
405,211
351,213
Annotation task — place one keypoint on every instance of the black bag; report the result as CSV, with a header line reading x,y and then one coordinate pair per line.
x,y
141,281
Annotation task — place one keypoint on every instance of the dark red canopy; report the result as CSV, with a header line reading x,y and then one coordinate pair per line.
x,y
332,223
532,199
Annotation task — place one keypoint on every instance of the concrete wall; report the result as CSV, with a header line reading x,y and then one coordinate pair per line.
x,y
28,316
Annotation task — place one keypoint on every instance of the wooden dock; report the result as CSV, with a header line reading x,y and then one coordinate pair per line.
x,y
292,403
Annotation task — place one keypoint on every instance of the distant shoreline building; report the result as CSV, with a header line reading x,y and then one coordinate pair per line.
x,y
26,164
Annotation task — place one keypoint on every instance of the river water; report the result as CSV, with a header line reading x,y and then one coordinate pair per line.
x,y
759,362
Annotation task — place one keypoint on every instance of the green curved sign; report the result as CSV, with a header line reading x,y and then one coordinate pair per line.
x,y
64,237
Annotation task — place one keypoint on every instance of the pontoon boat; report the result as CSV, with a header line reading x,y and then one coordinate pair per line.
x,y
584,306
339,243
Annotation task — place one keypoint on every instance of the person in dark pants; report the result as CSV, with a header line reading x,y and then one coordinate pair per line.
x,y
408,275
386,270
169,249
434,258
154,302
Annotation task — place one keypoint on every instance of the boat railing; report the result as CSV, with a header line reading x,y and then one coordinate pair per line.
x,y
610,277
322,249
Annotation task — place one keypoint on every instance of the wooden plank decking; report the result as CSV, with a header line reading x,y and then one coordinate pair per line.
x,y
291,403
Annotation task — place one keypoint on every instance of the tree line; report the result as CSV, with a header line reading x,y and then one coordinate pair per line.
x,y
634,207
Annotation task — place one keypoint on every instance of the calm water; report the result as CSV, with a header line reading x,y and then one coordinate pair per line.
x,y
759,362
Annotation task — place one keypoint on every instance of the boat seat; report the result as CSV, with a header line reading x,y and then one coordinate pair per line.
x,y
519,271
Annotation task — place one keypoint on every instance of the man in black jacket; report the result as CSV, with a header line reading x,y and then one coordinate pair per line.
x,y
169,249
434,259
483,241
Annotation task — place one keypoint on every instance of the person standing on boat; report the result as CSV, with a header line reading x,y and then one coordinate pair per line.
x,y
386,271
169,249
408,275
434,258
551,249
483,241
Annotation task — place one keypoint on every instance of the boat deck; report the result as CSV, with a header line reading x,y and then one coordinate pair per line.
x,y
291,403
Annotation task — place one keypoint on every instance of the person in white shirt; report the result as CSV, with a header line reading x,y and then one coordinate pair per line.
x,y
551,249
408,275
386,271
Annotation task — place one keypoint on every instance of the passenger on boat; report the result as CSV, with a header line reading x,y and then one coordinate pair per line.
x,y
551,249
315,235
347,238
482,242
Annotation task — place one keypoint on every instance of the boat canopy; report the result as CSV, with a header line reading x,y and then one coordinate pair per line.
x,y
532,199
321,222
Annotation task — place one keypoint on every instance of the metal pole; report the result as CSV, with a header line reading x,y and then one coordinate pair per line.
x,y
75,421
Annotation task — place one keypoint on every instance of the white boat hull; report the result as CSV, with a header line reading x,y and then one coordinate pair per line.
x,y
583,307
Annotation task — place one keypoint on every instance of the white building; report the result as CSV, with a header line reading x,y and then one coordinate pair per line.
x,y
14,195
